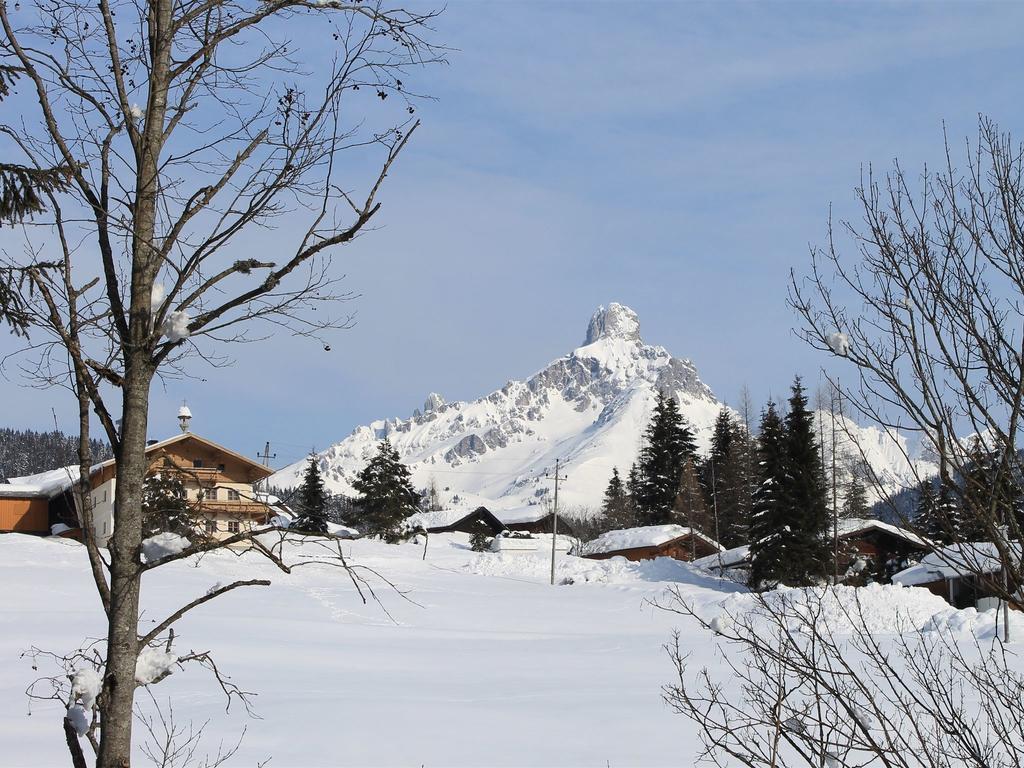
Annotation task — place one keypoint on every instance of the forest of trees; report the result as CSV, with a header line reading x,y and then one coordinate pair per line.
x,y
26,452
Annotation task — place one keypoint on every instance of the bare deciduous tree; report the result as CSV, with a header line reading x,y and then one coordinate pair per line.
x,y
187,127
805,693
924,298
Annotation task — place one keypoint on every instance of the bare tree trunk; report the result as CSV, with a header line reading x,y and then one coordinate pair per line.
x,y
123,641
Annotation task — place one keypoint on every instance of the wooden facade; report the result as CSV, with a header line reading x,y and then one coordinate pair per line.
x,y
883,554
541,525
218,484
25,515
686,547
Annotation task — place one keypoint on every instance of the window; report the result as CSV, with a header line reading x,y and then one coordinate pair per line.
x,y
197,463
233,526
211,494
220,467
232,494
211,526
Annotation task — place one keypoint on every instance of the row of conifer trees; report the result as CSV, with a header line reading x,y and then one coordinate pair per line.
x,y
768,491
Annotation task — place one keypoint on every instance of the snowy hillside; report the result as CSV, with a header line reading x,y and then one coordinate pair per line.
x,y
894,464
586,409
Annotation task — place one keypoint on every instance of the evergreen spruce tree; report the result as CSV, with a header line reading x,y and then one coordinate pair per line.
x,y
312,500
688,508
804,496
768,518
726,476
668,443
617,507
165,507
928,518
990,496
855,503
386,497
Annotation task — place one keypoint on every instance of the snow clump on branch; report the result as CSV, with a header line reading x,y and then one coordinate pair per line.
x,y
156,297
153,664
86,684
163,545
176,326
839,343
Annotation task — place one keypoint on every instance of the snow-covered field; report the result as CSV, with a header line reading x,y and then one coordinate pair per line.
x,y
479,662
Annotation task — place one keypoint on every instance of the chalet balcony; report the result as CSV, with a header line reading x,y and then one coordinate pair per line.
x,y
241,508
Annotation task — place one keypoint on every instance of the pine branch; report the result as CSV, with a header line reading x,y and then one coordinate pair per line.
x,y
22,188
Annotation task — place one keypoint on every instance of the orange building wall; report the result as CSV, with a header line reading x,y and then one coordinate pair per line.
x,y
25,515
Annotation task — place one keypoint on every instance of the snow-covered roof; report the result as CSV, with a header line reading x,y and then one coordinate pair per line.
x,y
727,558
853,525
646,536
522,515
442,518
955,560
42,485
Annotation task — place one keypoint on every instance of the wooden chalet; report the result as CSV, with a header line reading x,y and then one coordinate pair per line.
x,y
218,485
649,542
870,550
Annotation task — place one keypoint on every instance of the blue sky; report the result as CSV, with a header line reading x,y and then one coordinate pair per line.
x,y
675,157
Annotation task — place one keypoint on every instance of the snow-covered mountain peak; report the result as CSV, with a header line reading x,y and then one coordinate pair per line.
x,y
587,409
614,322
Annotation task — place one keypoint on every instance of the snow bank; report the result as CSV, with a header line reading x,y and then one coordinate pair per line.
x,y
982,624
163,545
878,608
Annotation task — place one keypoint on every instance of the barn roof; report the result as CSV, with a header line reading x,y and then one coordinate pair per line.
x,y
854,525
44,485
445,518
645,536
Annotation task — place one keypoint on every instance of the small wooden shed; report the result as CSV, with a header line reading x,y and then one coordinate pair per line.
x,y
651,541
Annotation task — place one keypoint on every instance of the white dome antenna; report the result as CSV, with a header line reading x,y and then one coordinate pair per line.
x,y
184,416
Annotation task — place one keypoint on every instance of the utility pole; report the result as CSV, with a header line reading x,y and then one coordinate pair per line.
x,y
266,455
554,518
714,504
835,393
